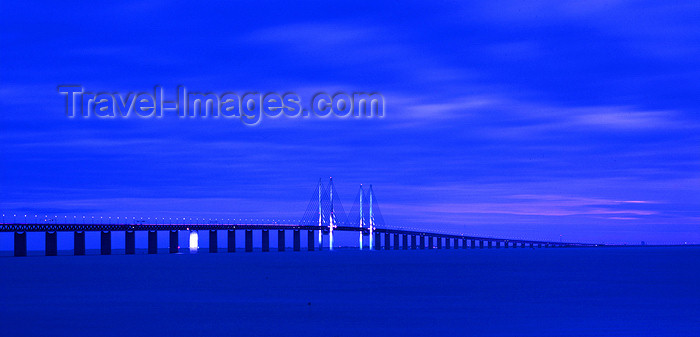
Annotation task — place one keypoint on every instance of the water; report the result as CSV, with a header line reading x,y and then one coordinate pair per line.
x,y
496,292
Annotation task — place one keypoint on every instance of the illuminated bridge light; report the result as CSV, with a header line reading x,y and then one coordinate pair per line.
x,y
194,241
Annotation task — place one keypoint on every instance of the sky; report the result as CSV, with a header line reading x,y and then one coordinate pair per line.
x,y
521,119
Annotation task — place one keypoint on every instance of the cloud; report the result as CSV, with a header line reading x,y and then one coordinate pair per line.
x,y
649,28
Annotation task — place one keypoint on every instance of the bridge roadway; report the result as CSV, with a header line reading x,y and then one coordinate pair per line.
x,y
393,238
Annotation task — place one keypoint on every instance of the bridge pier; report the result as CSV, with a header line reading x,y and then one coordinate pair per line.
x,y
152,242
377,240
413,242
130,242
297,240
20,243
105,242
173,242
522,245
447,243
310,244
404,245
387,241
464,243
51,244
531,245
78,243
481,244
213,241
280,240
490,243
439,242
498,244
430,242
265,240
422,241
396,242
231,244
248,240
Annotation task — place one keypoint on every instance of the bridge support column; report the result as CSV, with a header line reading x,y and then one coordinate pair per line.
x,y
396,242
464,243
297,240
310,244
152,242
481,244
105,243
422,242
265,240
20,243
539,245
404,244
248,240
531,245
377,240
439,242
231,244
505,244
490,243
387,241
447,243
473,242
173,242
130,242
213,241
78,243
430,242
51,248
280,240
522,245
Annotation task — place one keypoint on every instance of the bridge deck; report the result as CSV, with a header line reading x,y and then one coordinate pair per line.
x,y
48,227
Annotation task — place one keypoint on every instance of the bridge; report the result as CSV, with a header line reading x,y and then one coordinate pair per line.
x,y
323,217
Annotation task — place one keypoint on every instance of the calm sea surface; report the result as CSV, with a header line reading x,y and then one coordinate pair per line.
x,y
496,292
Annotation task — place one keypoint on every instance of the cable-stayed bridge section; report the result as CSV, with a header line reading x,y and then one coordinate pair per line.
x,y
323,217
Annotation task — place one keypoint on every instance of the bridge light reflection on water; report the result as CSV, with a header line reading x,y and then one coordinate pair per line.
x,y
194,241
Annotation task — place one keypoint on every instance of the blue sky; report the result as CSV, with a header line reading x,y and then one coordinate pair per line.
x,y
520,119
